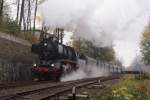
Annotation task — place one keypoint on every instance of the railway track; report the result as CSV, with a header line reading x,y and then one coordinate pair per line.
x,y
21,84
47,90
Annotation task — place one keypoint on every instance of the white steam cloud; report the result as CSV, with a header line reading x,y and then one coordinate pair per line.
x,y
86,72
101,21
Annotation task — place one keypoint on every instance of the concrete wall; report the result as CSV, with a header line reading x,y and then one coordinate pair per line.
x,y
16,58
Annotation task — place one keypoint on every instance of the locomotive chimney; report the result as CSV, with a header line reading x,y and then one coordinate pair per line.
x,y
59,33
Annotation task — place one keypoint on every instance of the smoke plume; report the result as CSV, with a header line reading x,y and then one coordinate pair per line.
x,y
104,22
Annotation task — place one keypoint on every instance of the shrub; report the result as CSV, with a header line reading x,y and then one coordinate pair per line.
x,y
127,88
11,27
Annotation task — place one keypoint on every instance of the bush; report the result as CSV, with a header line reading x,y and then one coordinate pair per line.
x,y
143,76
146,76
11,27
128,88
28,36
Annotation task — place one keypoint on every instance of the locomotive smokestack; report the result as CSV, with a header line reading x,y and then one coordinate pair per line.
x,y
59,33
62,35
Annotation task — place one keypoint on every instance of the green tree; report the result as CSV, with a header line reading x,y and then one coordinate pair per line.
x,y
105,54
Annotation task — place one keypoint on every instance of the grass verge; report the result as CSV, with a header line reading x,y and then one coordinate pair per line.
x,y
129,87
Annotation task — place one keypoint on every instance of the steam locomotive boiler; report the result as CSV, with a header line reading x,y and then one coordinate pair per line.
x,y
55,59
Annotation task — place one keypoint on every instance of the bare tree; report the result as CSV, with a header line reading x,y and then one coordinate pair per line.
x,y
21,13
24,22
35,12
18,8
25,10
1,10
29,16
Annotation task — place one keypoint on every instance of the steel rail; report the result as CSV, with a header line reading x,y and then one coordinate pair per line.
x,y
47,91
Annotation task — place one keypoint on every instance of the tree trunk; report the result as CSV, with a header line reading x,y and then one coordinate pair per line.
x,y
35,14
18,8
21,13
24,23
1,10
29,15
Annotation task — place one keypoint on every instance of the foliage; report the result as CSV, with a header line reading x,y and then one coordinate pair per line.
x,y
128,88
106,54
102,53
146,76
9,27
28,35
143,76
145,47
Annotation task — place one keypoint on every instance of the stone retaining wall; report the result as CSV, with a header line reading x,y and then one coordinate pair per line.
x,y
16,58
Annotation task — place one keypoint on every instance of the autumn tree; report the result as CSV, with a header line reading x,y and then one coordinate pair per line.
x,y
145,46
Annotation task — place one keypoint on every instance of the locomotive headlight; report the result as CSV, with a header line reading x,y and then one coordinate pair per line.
x,y
52,65
35,65
45,44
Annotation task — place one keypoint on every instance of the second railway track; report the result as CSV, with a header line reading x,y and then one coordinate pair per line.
x,y
47,90
21,84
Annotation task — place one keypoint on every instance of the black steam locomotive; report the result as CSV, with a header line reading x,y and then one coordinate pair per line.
x,y
55,59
